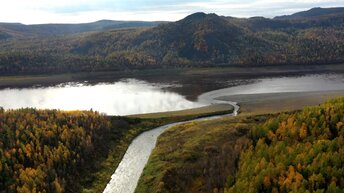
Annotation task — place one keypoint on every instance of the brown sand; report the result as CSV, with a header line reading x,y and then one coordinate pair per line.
x,y
280,102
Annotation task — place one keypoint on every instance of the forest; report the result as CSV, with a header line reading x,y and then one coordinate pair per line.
x,y
299,152
45,150
196,41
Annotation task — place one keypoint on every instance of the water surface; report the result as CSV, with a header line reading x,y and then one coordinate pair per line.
x,y
131,96
308,83
128,172
124,97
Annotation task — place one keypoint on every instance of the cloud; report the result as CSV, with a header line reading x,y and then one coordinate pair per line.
x,y
77,11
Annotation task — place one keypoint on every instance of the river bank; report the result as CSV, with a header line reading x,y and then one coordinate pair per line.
x,y
128,172
183,75
255,104
96,179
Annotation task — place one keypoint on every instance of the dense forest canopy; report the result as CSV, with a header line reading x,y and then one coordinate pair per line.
x,y
314,37
299,152
45,150
18,30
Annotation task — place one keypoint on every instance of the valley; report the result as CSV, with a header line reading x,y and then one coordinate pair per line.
x,y
204,104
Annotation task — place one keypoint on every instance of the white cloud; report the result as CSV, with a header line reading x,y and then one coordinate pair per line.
x,y
36,17
78,11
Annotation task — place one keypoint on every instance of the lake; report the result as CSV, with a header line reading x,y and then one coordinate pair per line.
x,y
132,96
124,97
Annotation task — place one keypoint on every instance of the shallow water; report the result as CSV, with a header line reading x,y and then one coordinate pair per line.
x,y
309,83
131,96
124,97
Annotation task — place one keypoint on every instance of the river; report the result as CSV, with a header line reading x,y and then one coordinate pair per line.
x,y
132,96
128,172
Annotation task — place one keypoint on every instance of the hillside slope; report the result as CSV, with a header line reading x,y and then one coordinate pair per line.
x,y
197,40
314,12
18,30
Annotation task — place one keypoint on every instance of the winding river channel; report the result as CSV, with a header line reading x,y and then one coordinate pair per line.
x,y
128,172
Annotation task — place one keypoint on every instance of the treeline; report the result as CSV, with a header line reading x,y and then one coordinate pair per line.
x,y
46,150
45,62
298,152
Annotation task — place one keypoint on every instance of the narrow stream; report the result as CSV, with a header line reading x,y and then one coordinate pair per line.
x,y
128,172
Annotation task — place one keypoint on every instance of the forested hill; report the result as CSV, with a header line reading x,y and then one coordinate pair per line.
x,y
18,30
315,12
197,40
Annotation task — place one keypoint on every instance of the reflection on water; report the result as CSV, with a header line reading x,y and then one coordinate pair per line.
x,y
133,96
120,98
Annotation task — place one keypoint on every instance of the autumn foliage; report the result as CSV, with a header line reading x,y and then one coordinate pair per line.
x,y
199,40
299,152
44,150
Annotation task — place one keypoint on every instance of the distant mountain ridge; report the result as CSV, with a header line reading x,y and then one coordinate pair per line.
x,y
21,30
197,40
314,12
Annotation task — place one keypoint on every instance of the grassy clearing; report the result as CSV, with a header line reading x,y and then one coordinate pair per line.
x,y
226,71
196,156
51,79
202,111
255,104
19,81
268,69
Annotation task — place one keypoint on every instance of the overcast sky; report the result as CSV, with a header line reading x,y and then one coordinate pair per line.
x,y
80,11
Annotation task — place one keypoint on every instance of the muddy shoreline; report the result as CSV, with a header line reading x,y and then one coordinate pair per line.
x,y
168,75
280,102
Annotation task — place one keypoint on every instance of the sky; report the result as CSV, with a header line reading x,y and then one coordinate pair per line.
x,y
82,11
